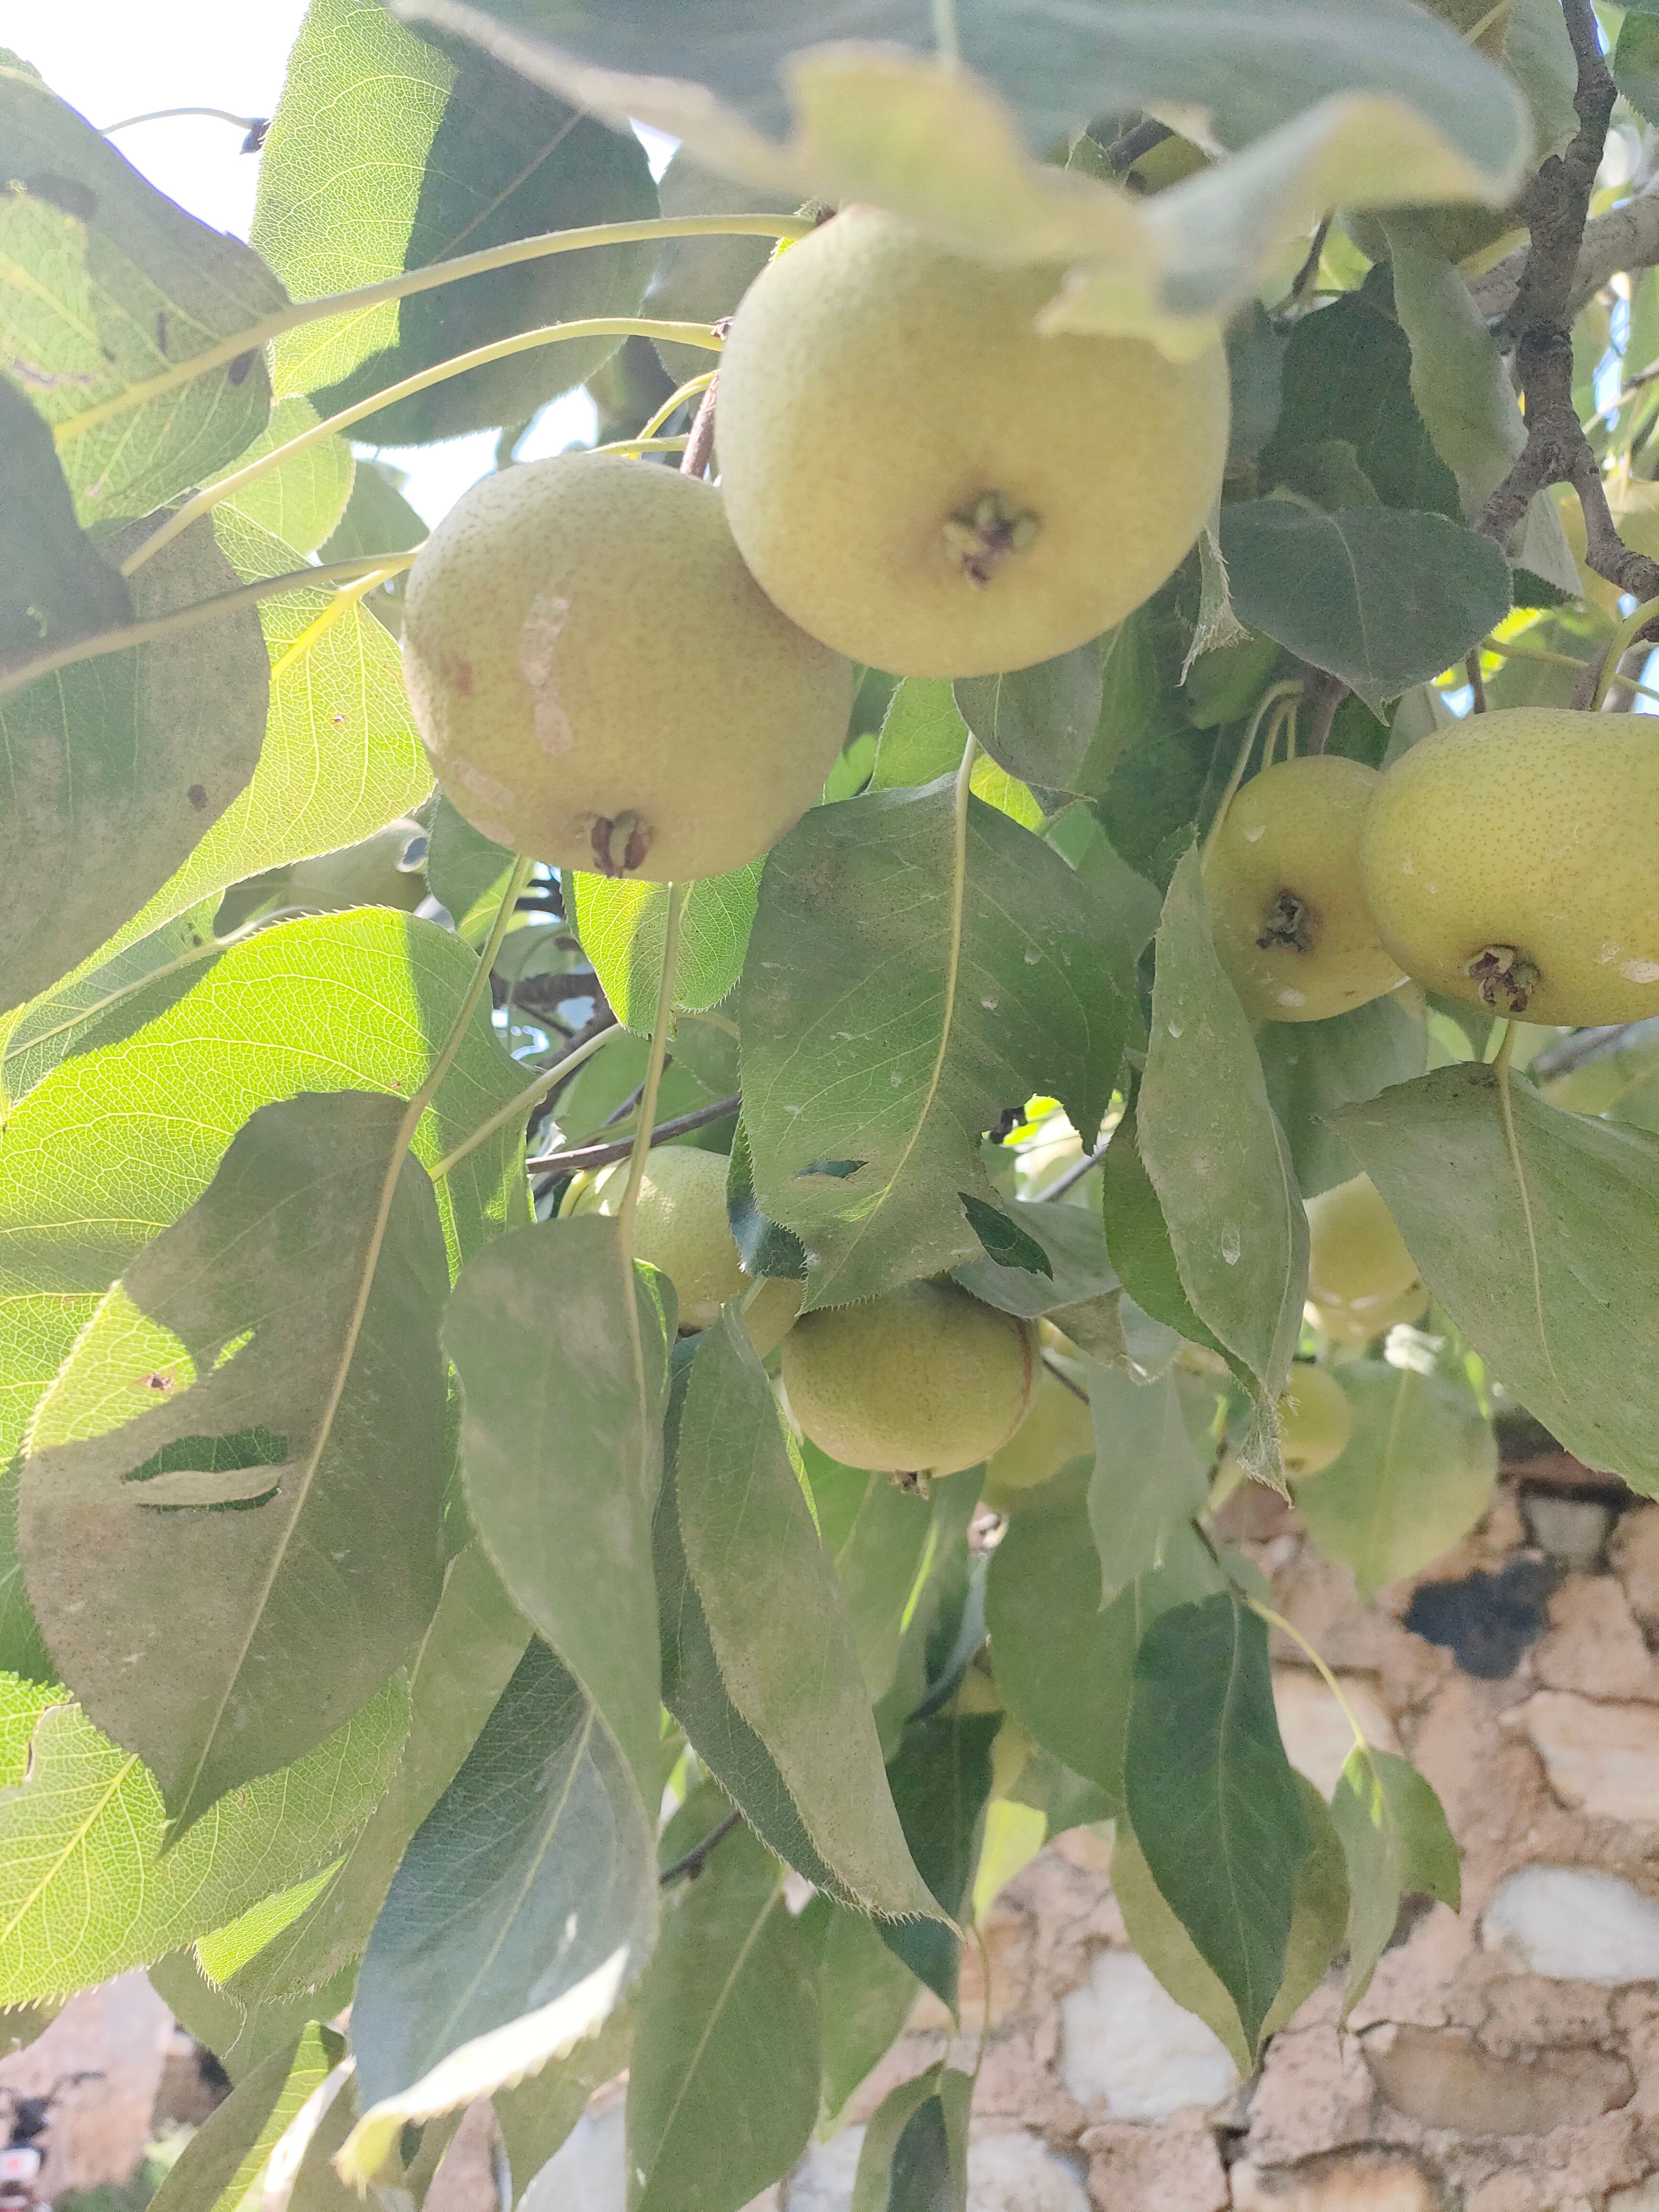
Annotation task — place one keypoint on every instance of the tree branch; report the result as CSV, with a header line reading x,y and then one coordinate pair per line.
x,y
692,1864
618,1148
1538,327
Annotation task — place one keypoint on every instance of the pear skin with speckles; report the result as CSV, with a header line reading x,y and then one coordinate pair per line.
x,y
601,684
1513,861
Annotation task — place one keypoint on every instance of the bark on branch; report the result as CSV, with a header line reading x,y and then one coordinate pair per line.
x,y
1539,328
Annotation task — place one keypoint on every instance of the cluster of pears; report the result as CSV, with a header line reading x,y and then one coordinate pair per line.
x,y
619,668
1511,861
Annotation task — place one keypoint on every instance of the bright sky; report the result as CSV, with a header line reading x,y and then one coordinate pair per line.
x,y
113,58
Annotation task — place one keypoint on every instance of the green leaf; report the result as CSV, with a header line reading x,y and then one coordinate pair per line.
x,y
1313,1069
1381,598
1458,379
341,757
1348,375
117,284
21,1651
55,586
225,2156
1416,1475
388,151
466,872
283,1335
1318,1928
1212,1797
1543,1257
914,2153
1039,723
902,990
1636,64
864,1997
302,500
940,1776
1072,1242
1397,1844
723,2085
1219,1161
1064,1664
563,1391
923,737
621,924
525,1903
1138,1238
86,1888
1004,1241
465,1661
1147,1480
240,2038
778,1627
875,1532
536,2115
116,768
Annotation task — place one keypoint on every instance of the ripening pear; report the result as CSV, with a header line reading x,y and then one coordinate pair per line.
x,y
1361,1279
1058,1428
924,1380
921,478
1290,921
1513,860
679,1226
1315,1420
600,684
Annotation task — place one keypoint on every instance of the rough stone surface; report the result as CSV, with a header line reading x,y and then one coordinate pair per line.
x,y
1601,1758
1365,2181
1318,1737
1129,2046
122,2033
1574,1925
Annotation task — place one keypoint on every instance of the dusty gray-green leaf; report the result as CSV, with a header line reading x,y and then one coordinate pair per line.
x,y
864,1997
902,987
621,925
1397,1844
1064,1663
466,872
723,2083
1313,1069
116,768
563,1390
940,1776
532,1878
55,586
118,284
875,1532
1039,723
1074,1244
87,1889
1636,64
1383,599
1318,1927
1544,1260
1218,1162
1147,1478
1416,1475
224,2157
778,1626
1459,380
914,2153
289,1321
464,1663
701,280
1138,1238
1212,1797
388,151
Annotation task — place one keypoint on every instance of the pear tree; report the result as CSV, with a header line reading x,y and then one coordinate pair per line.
x,y
675,1156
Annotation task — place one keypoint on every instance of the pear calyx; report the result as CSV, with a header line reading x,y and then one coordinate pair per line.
x,y
979,540
1505,977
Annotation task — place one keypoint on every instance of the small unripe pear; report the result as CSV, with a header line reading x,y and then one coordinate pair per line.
x,y
679,1226
1513,861
921,478
1290,921
601,684
1058,1428
925,1380
1361,1279
1315,1421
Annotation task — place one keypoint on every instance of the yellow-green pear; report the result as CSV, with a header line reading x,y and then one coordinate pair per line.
x,y
924,1380
599,682
1315,1420
1057,1429
919,477
1513,860
1361,1279
679,1226
1290,921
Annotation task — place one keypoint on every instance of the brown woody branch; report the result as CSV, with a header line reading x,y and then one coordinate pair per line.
x,y
1539,329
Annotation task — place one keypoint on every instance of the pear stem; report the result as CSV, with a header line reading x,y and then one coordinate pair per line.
x,y
1270,697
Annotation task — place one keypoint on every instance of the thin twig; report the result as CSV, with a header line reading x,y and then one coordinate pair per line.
x,y
692,1864
1477,681
1538,326
617,1148
1074,1174
1123,153
699,446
